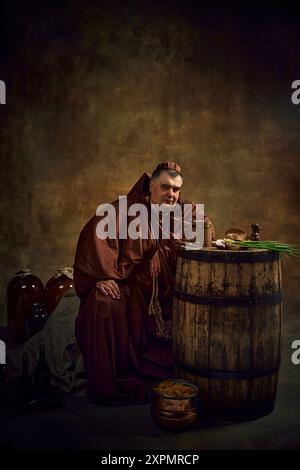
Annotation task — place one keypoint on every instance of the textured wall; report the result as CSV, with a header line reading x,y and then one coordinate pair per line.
x,y
97,94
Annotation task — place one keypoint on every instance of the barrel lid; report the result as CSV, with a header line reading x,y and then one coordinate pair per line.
x,y
215,255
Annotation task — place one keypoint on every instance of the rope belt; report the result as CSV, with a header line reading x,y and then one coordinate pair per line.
x,y
162,330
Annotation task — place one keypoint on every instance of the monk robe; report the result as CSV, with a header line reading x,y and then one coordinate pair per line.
x,y
122,347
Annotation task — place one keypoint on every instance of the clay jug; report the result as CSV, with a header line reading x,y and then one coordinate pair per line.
x,y
57,286
23,290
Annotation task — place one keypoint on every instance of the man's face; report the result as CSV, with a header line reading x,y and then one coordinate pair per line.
x,y
165,189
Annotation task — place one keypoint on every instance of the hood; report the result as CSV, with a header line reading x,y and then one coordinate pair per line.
x,y
141,187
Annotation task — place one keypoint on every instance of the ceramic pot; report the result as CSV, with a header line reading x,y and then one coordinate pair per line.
x,y
174,412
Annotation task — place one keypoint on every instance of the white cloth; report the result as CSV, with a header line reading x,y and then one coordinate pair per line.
x,y
62,351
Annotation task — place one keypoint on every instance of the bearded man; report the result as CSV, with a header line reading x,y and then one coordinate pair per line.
x,y
125,286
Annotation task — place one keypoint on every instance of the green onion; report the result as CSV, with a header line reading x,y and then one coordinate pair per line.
x,y
283,248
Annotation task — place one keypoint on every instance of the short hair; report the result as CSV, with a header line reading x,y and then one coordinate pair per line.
x,y
172,173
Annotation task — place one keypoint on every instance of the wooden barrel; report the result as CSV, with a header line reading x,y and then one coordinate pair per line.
x,y
227,311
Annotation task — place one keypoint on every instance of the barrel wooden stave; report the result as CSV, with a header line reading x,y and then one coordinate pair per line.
x,y
239,338
228,280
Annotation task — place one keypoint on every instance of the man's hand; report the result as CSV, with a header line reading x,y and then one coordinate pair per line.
x,y
155,265
110,288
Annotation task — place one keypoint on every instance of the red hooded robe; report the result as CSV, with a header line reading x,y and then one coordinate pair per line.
x,y
118,338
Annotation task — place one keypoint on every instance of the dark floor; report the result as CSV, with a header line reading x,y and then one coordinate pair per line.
x,y
80,424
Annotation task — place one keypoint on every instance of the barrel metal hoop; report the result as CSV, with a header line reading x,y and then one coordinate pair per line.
x,y
228,374
223,256
274,298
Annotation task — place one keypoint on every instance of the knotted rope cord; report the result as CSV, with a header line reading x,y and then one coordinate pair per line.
x,y
154,306
155,310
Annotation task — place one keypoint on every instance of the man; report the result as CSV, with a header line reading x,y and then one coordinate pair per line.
x,y
125,287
